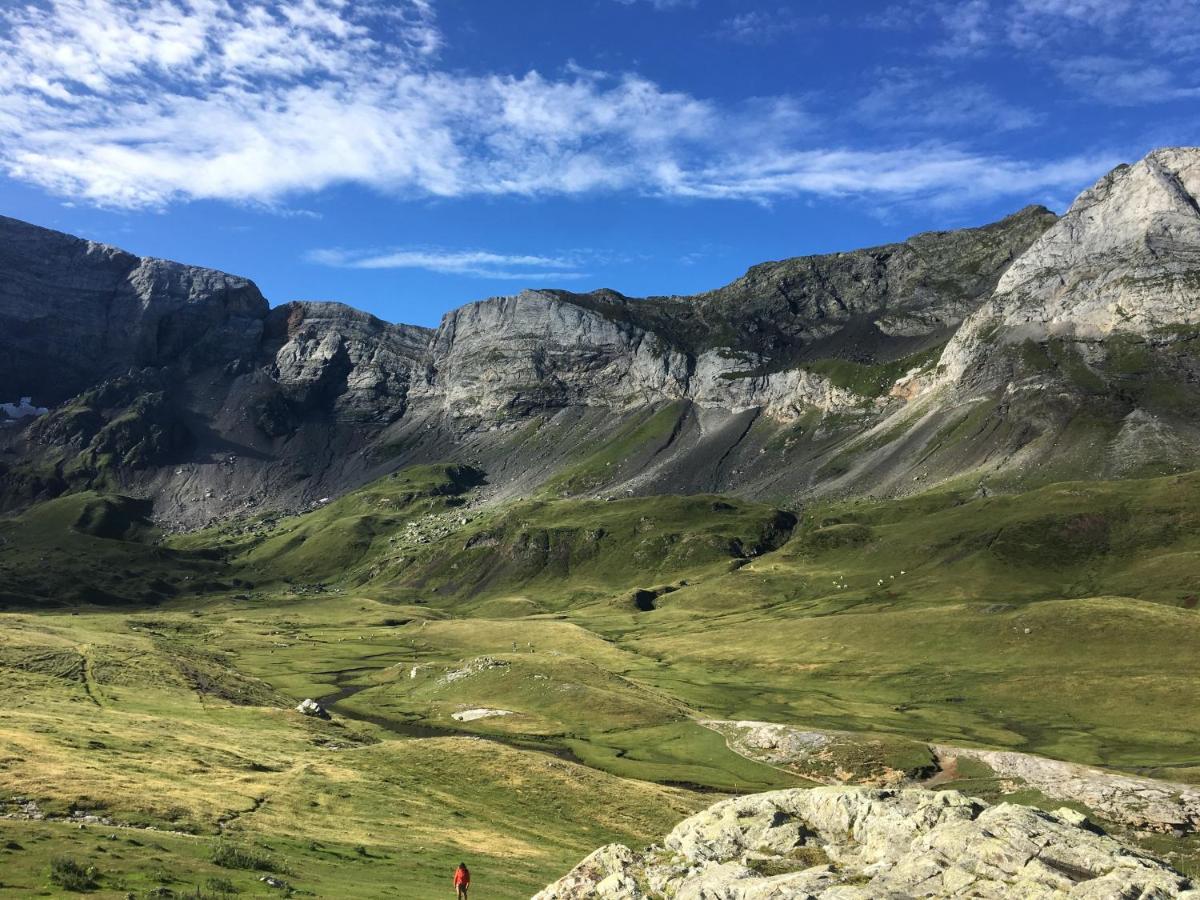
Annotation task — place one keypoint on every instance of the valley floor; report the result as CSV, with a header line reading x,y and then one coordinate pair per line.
x,y
599,651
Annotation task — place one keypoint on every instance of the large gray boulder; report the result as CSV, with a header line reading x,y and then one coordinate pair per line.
x,y
847,843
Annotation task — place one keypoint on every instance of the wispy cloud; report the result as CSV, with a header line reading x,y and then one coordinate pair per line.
x,y
764,26
936,174
660,4
907,100
140,103
472,263
968,27
1124,82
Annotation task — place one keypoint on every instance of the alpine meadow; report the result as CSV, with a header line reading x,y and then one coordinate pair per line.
x,y
873,573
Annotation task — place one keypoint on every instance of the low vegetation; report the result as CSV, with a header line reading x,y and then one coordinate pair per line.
x,y
594,636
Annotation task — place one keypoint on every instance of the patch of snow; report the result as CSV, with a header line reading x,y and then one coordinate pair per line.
x,y
23,409
470,715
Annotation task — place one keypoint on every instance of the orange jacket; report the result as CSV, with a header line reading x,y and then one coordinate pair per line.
x,y
462,877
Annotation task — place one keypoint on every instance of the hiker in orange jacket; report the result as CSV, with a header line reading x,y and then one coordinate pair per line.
x,y
462,880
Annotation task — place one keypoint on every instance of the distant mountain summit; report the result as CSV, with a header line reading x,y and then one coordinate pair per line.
x,y
1032,348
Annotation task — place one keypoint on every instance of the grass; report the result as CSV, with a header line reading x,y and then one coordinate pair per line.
x,y
872,379
1060,621
644,435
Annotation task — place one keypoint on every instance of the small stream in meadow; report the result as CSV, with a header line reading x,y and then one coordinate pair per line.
x,y
411,729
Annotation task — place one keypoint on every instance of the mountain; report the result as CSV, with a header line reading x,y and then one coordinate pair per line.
x,y
982,353
905,522
181,384
1084,361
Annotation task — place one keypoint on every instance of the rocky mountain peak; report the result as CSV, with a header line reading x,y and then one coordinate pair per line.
x,y
1124,258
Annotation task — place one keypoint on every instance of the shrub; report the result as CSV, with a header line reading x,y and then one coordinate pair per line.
x,y
221,887
228,856
70,875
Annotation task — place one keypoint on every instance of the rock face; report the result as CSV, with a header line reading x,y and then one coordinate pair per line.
x,y
328,355
838,843
735,348
533,352
1125,259
1068,348
73,312
536,352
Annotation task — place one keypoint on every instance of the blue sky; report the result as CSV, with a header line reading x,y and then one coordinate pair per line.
x,y
409,156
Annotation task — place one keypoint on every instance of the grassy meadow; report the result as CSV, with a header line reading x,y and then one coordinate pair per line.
x,y
149,742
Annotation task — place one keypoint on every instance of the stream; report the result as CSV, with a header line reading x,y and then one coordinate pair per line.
x,y
410,729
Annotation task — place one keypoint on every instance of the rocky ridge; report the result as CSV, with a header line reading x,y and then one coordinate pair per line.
x,y
853,843
1124,259
1069,351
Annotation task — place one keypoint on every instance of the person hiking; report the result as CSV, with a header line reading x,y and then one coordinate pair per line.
x,y
462,880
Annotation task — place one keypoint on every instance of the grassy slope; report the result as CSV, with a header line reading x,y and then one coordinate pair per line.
x,y
123,734
1061,621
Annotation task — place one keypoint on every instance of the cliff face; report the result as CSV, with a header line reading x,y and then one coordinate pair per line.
x,y
73,312
982,351
328,355
1124,260
736,348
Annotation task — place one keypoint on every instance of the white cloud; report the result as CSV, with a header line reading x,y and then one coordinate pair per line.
x,y
660,4
904,99
764,26
1134,51
968,27
934,173
1123,82
140,103
475,263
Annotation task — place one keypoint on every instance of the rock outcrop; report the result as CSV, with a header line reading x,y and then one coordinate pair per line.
x,y
311,708
1125,259
331,357
1134,801
1144,803
844,843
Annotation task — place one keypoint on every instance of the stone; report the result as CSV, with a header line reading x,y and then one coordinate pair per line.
x,y
853,843
310,707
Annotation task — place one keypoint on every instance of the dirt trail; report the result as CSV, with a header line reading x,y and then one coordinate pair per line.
x,y
85,675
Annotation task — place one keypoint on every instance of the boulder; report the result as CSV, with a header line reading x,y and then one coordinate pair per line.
x,y
853,843
310,707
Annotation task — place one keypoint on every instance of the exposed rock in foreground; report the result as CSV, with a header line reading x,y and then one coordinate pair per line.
x,y
839,843
1128,800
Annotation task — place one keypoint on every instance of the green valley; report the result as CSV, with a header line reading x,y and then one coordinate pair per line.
x,y
518,683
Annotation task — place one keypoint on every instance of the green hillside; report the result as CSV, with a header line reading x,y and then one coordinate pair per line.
x,y
151,678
